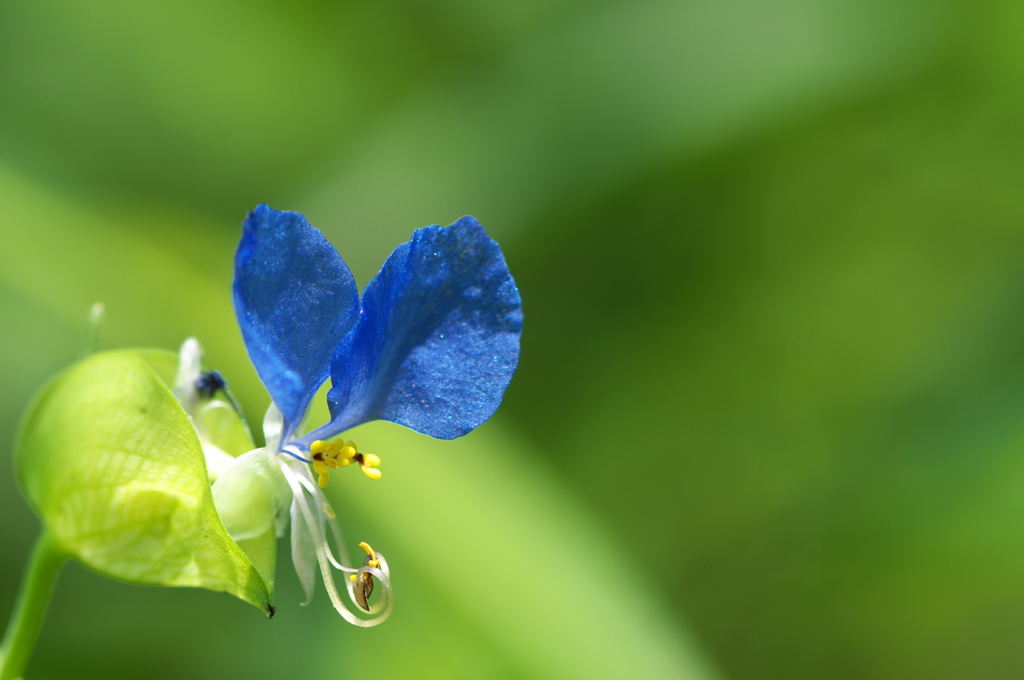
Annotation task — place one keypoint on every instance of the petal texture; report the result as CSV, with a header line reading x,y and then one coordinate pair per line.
x,y
295,299
438,339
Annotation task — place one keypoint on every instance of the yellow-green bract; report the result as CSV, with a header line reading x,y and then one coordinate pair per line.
x,y
112,465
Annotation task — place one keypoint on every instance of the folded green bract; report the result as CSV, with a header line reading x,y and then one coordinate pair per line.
x,y
111,463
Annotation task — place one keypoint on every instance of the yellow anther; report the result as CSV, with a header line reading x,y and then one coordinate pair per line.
x,y
373,561
328,456
352,578
325,458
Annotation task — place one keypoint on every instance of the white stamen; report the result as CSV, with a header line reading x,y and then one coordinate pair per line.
x,y
306,480
293,475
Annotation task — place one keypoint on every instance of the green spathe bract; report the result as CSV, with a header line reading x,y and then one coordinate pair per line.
x,y
113,466
252,498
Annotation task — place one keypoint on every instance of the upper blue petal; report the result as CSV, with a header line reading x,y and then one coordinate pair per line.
x,y
437,341
295,299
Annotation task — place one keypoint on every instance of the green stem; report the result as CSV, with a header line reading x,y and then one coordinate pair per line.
x,y
27,619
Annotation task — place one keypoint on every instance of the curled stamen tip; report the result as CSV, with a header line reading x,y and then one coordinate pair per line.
x,y
362,591
363,587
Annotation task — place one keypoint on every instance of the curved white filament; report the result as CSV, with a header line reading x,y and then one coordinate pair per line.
x,y
306,480
315,526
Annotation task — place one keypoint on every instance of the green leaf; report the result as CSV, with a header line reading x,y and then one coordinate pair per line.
x,y
111,463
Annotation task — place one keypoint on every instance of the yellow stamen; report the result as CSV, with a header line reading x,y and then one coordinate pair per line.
x,y
329,456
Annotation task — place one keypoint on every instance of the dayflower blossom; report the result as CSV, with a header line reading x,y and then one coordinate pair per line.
x,y
431,345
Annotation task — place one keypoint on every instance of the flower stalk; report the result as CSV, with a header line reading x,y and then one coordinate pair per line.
x,y
33,599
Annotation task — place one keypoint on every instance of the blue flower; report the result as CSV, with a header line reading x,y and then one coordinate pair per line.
x,y
431,345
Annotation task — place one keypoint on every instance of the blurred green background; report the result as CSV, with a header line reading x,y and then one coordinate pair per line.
x,y
769,419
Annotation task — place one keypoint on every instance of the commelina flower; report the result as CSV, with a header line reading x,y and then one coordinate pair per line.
x,y
432,345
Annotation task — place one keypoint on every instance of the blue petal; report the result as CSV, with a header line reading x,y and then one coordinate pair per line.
x,y
295,299
438,339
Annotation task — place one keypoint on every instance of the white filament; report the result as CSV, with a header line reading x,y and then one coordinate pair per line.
x,y
299,480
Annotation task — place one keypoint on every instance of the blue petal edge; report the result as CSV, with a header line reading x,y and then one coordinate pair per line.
x,y
438,340
295,300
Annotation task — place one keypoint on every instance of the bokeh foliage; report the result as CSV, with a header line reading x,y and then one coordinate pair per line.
x,y
768,415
